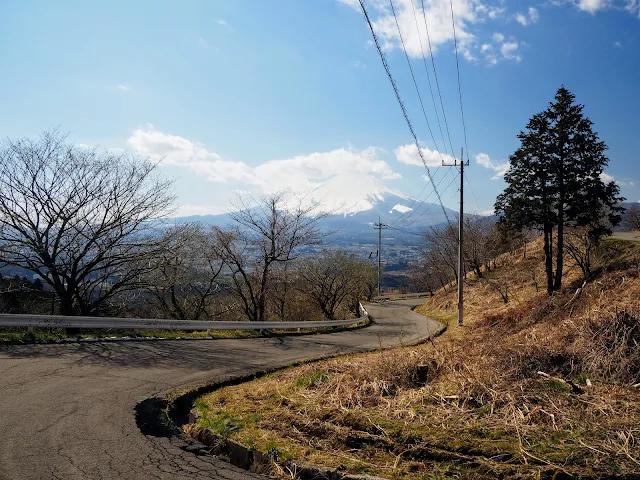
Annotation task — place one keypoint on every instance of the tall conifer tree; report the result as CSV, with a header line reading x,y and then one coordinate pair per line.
x,y
554,181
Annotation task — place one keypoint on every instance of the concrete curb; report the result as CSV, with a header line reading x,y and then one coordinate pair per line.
x,y
167,415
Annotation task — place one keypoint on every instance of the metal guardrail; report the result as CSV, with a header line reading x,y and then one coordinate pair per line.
x,y
402,295
61,321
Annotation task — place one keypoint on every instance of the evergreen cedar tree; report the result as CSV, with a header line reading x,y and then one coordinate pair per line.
x,y
554,182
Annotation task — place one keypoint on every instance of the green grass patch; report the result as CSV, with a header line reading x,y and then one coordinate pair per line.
x,y
312,379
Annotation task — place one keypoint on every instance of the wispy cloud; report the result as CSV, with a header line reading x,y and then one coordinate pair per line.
x,y
509,50
531,17
500,168
359,64
500,48
124,88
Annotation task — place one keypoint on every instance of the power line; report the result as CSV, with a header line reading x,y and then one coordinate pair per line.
x,y
406,231
435,75
426,70
415,83
424,212
413,212
473,193
404,110
455,40
414,200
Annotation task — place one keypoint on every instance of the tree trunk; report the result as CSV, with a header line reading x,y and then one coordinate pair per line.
x,y
548,257
559,253
560,250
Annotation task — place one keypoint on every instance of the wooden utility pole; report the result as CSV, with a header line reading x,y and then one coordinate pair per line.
x,y
379,226
460,236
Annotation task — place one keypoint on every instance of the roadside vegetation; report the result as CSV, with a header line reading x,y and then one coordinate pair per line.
x,y
533,387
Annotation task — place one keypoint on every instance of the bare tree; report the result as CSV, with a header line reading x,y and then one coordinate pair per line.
x,y
79,218
441,251
334,279
186,283
478,248
631,218
270,233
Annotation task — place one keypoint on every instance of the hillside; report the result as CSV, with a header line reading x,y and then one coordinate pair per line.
x,y
536,387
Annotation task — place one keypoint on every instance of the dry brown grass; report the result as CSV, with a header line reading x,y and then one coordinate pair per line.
x,y
484,412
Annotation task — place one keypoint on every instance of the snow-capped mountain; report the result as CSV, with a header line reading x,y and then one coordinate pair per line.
x,y
342,195
353,206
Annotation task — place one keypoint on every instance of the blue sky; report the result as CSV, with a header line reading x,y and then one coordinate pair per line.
x,y
252,95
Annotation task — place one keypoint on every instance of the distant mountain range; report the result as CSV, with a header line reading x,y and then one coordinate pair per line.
x,y
354,207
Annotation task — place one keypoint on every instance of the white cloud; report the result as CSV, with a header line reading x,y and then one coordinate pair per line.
x,y
467,13
605,177
221,21
529,18
500,168
522,19
592,6
426,178
534,16
617,44
508,51
124,88
359,64
500,48
408,154
299,174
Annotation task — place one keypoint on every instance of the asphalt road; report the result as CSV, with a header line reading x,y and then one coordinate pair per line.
x,y
67,411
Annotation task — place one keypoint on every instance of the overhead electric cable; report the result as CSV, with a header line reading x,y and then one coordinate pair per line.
x,y
455,41
435,75
426,70
415,83
429,207
414,211
414,200
473,193
404,110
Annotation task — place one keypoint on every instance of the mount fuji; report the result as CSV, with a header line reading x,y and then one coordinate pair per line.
x,y
353,206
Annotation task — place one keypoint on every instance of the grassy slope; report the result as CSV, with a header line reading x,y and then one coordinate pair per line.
x,y
485,412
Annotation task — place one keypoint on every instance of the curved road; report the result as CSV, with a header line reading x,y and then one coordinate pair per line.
x,y
67,410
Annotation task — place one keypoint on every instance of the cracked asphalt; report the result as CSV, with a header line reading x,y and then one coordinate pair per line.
x,y
67,410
